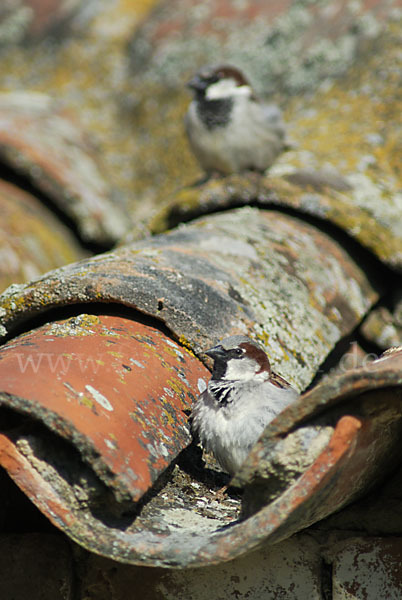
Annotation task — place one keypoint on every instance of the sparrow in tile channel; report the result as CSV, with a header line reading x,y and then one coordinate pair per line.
x,y
229,129
241,398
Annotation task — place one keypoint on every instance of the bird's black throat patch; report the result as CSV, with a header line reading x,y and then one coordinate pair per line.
x,y
214,113
222,392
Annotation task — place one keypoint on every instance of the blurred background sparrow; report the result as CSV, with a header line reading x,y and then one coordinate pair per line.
x,y
229,129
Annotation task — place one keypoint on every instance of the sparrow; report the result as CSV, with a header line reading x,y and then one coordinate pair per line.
x,y
241,398
228,128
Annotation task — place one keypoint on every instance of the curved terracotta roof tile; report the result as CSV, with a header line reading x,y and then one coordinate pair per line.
x,y
176,526
93,405
46,144
32,240
116,389
281,280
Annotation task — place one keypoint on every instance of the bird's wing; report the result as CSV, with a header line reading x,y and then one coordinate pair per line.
x,y
272,115
279,381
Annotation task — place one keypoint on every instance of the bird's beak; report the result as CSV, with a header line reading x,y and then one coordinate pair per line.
x,y
197,83
215,352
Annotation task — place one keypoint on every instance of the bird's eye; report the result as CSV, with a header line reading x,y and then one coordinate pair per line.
x,y
238,351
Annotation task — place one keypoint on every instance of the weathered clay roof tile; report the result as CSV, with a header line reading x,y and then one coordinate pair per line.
x,y
101,363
